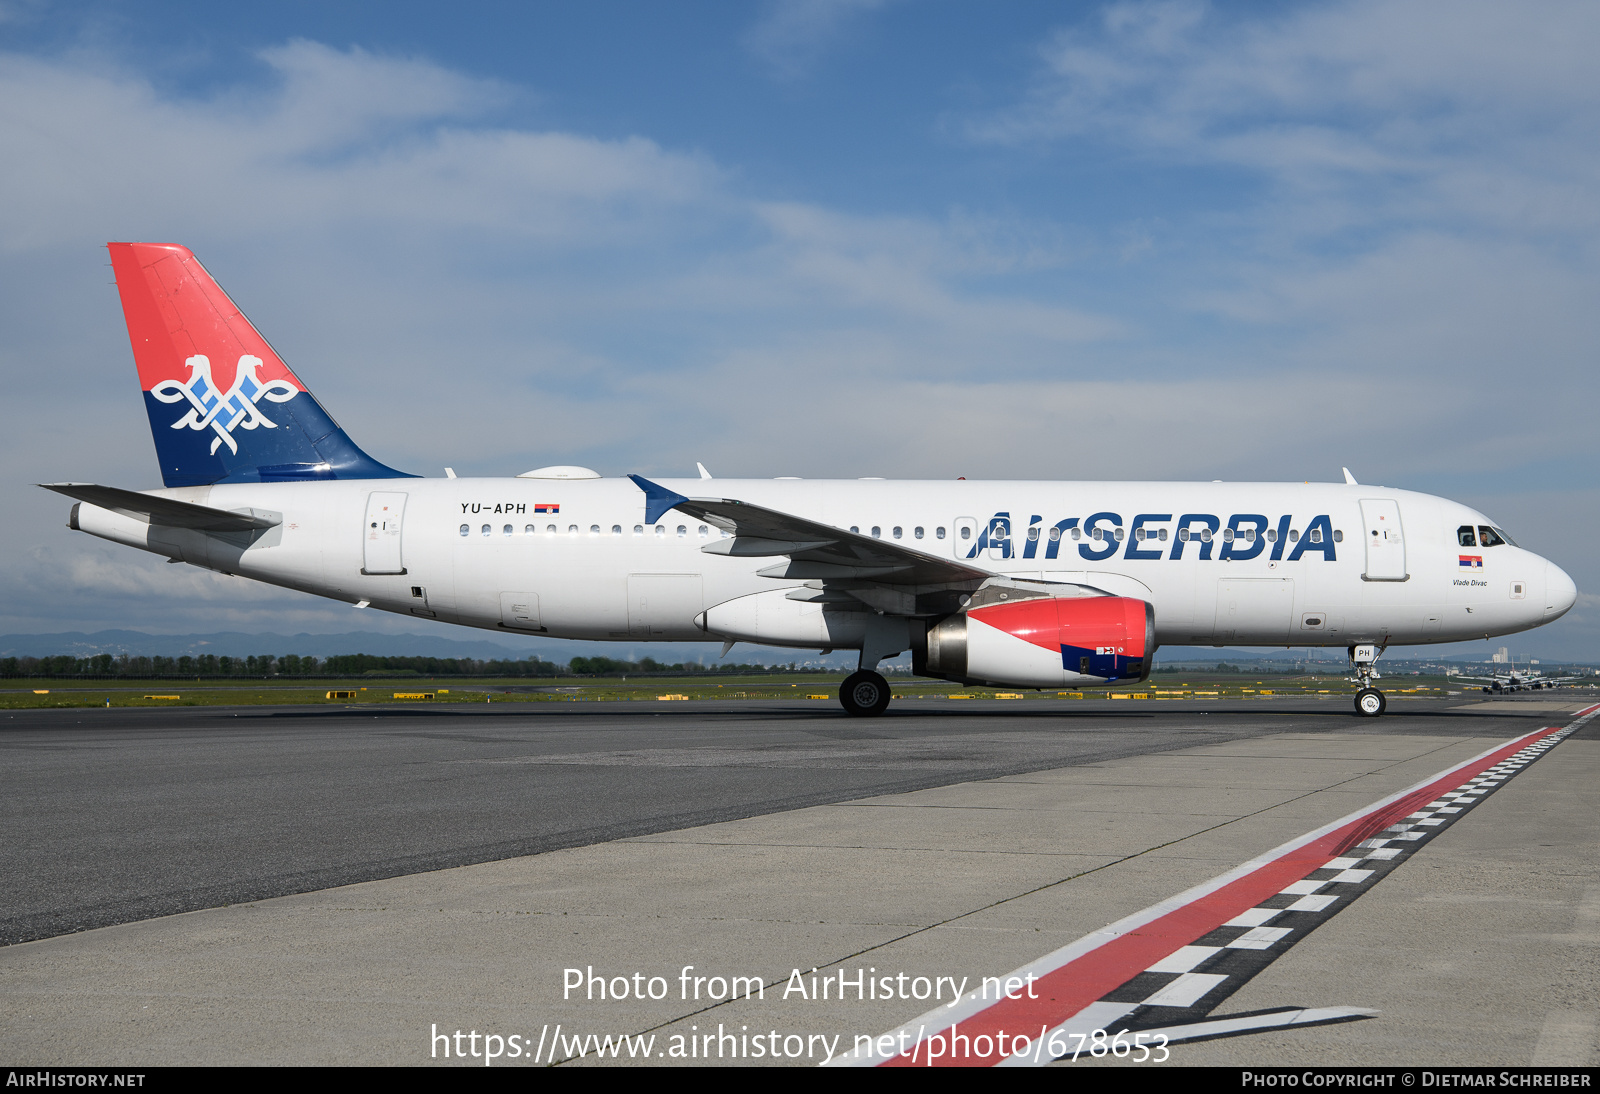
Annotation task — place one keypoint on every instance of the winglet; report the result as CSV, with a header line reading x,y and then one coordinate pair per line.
x,y
657,499
1349,479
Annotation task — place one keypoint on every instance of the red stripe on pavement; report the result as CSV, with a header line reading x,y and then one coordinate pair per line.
x,y
1066,990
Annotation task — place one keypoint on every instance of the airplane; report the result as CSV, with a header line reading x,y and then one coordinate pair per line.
x,y
1001,583
1517,680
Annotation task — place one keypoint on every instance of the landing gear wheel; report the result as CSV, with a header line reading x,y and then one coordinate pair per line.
x,y
864,694
1370,702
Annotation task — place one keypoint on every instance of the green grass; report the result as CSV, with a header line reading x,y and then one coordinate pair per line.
x,y
19,694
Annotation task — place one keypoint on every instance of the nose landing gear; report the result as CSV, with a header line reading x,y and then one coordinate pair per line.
x,y
1369,700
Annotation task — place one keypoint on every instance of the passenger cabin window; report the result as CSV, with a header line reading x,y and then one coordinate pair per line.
x,y
638,529
917,532
877,533
1338,535
616,529
1272,535
1055,535
703,531
897,531
855,529
1294,535
682,531
1120,534
661,530
966,533
487,530
466,528
549,529
1316,535
1466,537
938,533
1162,535
594,529
1184,534
506,531
528,531
1487,537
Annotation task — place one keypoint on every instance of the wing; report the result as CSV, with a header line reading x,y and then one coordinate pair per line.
x,y
156,510
814,551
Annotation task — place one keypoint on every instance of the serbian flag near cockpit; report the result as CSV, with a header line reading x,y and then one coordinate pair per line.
x,y
1471,562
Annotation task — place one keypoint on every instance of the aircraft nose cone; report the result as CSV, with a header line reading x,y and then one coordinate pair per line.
x,y
1560,593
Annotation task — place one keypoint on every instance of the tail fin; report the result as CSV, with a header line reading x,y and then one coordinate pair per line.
x,y
223,407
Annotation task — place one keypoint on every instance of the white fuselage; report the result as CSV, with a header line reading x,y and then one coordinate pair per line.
x,y
573,558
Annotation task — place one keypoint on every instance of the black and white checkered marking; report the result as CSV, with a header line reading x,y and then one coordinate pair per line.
x,y
1177,993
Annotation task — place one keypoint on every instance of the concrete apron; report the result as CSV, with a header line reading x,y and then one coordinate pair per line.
x,y
1482,950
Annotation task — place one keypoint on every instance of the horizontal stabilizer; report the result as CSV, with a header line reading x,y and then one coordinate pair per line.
x,y
156,510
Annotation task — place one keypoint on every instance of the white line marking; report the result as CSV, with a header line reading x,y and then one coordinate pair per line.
x,y
1184,959
1186,990
1222,1026
1259,938
1302,888
1311,904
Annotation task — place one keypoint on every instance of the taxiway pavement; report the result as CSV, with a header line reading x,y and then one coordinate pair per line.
x,y
487,853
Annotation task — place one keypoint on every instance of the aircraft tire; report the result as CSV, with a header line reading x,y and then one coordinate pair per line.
x,y
1370,702
864,694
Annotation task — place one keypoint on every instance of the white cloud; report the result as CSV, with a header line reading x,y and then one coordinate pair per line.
x,y
1405,298
1454,106
341,139
791,35
456,291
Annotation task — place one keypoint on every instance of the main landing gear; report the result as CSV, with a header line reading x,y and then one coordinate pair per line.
x,y
864,694
1369,700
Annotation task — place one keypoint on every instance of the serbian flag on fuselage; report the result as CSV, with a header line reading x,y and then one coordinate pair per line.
x,y
1471,562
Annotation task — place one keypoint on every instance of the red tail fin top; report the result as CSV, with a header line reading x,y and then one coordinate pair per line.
x,y
175,311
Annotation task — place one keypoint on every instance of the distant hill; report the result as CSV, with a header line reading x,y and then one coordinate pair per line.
x,y
240,644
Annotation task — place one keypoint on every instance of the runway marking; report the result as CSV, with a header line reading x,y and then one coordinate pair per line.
x,y
1143,973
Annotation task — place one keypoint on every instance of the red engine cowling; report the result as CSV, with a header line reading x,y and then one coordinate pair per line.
x,y
1042,642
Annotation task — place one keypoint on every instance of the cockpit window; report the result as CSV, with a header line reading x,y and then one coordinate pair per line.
x,y
1505,535
1466,536
1488,537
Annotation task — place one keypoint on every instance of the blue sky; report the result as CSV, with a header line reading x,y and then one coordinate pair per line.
x,y
820,237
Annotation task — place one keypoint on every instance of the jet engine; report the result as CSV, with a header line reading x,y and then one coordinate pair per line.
x,y
1040,641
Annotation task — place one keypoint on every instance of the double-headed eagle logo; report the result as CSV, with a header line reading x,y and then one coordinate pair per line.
x,y
223,412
